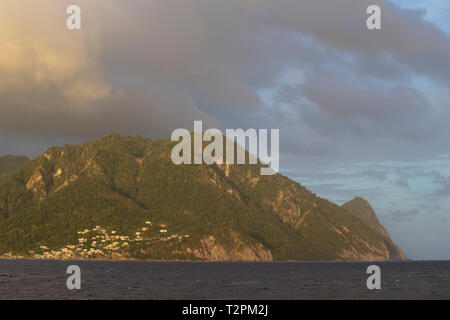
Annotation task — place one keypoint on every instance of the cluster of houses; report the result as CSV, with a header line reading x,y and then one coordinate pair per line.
x,y
98,242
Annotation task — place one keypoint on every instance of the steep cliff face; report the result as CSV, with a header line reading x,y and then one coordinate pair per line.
x,y
218,212
362,210
209,249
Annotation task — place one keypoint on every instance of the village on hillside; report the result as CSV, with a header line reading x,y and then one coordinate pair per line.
x,y
98,242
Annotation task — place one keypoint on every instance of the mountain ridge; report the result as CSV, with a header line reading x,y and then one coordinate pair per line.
x,y
122,198
10,163
362,209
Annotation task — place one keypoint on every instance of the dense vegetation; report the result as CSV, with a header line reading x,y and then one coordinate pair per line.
x,y
10,163
121,182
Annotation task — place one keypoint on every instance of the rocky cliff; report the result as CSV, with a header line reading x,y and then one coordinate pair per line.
x,y
123,197
361,209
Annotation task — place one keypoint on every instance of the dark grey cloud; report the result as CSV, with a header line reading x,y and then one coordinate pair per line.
x,y
149,67
354,106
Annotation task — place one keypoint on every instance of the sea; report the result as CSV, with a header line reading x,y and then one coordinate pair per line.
x,y
44,279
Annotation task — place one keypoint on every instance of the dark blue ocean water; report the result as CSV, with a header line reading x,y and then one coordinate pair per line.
x,y
26,279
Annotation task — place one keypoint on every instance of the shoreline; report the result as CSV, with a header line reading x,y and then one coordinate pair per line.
x,y
228,261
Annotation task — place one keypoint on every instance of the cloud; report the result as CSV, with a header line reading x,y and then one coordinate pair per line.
x,y
47,76
150,67
401,215
442,182
351,105
337,91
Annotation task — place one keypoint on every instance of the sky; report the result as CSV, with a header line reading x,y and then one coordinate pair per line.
x,y
361,112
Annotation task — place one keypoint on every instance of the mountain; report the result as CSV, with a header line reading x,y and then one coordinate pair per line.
x,y
362,210
10,163
123,198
